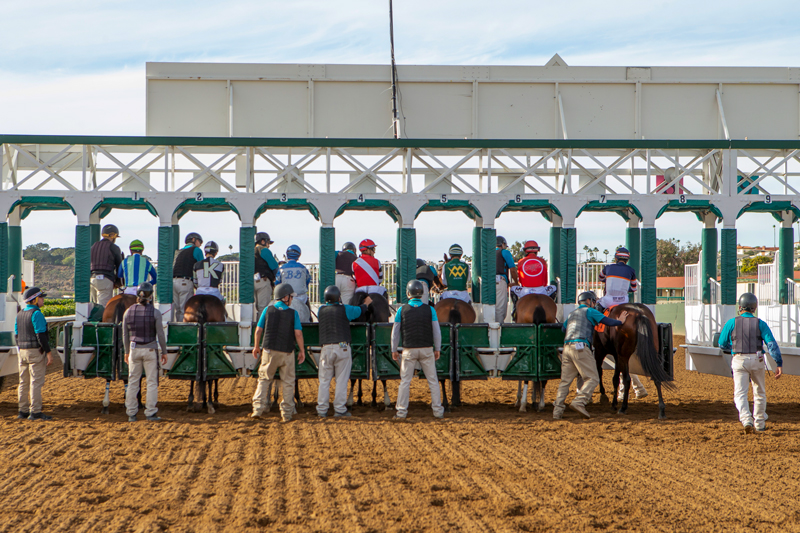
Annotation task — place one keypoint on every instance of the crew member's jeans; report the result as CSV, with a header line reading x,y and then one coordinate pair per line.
x,y
749,368
142,359
335,361
271,362
574,363
32,368
427,361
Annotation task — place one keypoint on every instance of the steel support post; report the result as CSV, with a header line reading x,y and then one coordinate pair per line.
x,y
3,257
247,264
785,262
165,258
83,247
476,264
708,262
327,259
728,269
488,267
406,260
568,270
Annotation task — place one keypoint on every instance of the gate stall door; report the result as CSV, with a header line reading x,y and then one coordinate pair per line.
x,y
104,339
470,337
308,369
444,365
359,344
186,336
550,341
523,338
217,363
665,347
383,366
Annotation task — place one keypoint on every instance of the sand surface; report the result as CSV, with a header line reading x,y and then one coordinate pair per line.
x,y
486,467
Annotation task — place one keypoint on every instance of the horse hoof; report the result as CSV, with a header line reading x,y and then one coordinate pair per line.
x,y
359,403
662,415
211,409
349,403
380,407
104,410
603,399
622,412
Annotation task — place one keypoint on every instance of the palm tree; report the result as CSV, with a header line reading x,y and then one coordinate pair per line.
x,y
606,252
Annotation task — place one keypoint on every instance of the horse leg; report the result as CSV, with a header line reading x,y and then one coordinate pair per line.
x,y
456,386
386,401
662,409
207,400
523,399
190,407
519,393
374,394
139,394
297,401
445,403
216,393
615,382
360,401
599,362
106,400
626,381
350,396
541,385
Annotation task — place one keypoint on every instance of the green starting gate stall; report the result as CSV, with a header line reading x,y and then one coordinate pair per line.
x,y
536,351
200,350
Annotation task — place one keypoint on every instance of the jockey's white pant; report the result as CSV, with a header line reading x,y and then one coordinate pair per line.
x,y
547,290
347,287
131,290
426,294
458,295
300,304
370,289
609,300
213,291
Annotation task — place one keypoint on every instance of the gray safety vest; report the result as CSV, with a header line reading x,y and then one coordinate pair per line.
x,y
746,335
578,326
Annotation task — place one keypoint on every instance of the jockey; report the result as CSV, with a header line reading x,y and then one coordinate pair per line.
x,y
455,276
532,271
136,269
296,274
208,272
426,274
344,271
367,270
619,279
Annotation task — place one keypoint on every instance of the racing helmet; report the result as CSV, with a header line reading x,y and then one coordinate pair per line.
x,y
332,294
622,254
110,230
455,250
415,289
588,295
283,290
191,237
263,236
211,247
136,246
531,246
366,244
349,246
501,241
293,252
145,291
748,301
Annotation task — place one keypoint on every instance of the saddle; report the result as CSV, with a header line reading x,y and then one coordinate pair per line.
x,y
602,327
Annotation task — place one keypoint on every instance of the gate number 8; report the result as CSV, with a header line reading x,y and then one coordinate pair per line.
x,y
682,199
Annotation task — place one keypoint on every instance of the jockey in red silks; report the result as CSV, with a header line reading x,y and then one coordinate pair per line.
x,y
367,270
532,271
619,279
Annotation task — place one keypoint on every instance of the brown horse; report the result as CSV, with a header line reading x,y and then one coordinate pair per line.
x,y
377,311
638,335
534,309
112,314
202,308
453,311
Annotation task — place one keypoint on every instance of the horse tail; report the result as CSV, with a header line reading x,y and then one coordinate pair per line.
x,y
539,315
648,355
196,313
455,315
119,311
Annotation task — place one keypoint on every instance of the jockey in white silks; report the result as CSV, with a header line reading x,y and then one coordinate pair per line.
x,y
208,272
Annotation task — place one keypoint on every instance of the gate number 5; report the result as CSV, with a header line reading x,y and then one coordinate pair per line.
x,y
444,199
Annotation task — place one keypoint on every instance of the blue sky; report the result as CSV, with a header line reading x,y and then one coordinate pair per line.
x,y
78,68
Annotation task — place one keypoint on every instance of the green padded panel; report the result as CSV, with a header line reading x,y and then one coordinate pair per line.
x,y
385,367
523,337
187,338
102,337
359,343
470,337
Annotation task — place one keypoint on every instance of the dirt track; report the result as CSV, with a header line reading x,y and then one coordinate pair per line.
x,y
485,468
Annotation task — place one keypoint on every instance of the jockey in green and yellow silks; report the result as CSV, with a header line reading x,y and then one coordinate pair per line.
x,y
455,276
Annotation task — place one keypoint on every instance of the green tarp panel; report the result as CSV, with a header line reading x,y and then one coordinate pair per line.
x,y
708,262
406,260
785,262
165,259
728,270
15,257
327,259
621,207
523,338
176,238
247,263
648,272
207,204
292,204
186,336
476,262
108,204
308,369
359,344
451,205
83,264
548,363
104,339
555,252
470,337
568,265
776,209
216,363
444,365
370,205
3,257
383,366
28,204
488,266
633,242
94,233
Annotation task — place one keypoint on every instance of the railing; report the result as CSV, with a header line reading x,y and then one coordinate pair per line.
x,y
691,280
588,278
767,286
716,291
793,292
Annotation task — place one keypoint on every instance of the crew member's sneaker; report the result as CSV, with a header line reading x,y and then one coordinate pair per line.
x,y
438,416
558,416
23,415
398,418
39,416
761,429
257,414
286,418
154,418
748,429
642,395
132,418
580,409
346,414
322,415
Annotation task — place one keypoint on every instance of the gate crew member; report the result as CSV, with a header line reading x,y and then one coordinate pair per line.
x,y
136,269
578,358
283,329
455,276
744,336
141,326
208,272
265,268
35,354
422,342
106,257
505,267
336,357
183,273
618,279
367,270
296,274
344,271
427,275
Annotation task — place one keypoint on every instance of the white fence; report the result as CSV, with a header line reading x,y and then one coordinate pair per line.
x,y
588,275
767,283
691,279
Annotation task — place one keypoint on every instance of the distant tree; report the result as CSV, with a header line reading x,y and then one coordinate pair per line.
x,y
606,252
750,264
516,250
671,257
229,257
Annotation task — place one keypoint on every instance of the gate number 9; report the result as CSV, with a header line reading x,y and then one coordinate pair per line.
x,y
768,199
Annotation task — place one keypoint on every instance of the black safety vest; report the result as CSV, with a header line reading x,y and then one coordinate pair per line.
x,y
279,332
425,272
578,326
26,336
261,267
502,269
334,327
184,263
746,335
102,259
344,262
141,322
416,326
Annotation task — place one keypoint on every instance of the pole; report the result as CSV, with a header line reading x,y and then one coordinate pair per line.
x,y
395,122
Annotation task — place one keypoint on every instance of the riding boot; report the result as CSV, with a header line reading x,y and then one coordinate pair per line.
x,y
514,299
